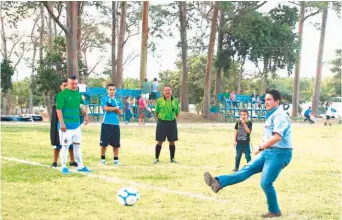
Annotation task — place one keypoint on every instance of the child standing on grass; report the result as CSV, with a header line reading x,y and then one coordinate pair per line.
x,y
243,129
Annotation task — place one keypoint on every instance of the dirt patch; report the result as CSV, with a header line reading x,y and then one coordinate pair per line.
x,y
186,117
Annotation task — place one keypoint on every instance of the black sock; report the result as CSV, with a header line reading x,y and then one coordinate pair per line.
x,y
116,158
172,151
103,157
158,149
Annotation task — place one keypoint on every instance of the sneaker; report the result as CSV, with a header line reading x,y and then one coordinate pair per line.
x,y
126,122
102,162
271,215
54,164
212,182
234,170
116,162
329,124
65,170
156,161
173,161
84,169
73,164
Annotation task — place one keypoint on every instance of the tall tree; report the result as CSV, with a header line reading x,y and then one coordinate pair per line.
x,y
42,28
71,35
317,87
144,38
119,71
184,45
207,87
114,27
295,96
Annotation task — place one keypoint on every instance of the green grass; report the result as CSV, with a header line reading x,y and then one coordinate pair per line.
x,y
309,188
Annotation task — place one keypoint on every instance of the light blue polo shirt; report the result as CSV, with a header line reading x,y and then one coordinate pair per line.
x,y
277,121
110,118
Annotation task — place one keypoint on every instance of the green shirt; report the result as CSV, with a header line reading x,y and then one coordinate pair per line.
x,y
167,109
226,95
69,102
145,88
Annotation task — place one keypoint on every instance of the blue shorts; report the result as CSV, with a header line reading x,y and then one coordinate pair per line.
x,y
110,135
60,147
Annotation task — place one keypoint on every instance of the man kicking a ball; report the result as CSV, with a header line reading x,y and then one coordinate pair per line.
x,y
276,154
68,112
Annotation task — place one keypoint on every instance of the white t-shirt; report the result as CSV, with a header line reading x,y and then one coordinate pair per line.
x,y
328,111
82,87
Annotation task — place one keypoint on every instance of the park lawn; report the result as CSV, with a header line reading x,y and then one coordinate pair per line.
x,y
309,188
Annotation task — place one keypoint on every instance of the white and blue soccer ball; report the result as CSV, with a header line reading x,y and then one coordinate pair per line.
x,y
128,196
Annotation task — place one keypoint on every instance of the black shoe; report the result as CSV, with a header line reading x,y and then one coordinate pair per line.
x,y
54,164
173,161
73,164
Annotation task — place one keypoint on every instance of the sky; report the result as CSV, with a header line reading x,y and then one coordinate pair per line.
x,y
167,52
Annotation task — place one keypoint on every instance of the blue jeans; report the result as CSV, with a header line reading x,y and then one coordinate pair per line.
x,y
128,115
270,162
242,148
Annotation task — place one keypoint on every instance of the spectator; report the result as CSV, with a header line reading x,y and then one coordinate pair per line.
x,y
154,90
233,98
145,89
128,113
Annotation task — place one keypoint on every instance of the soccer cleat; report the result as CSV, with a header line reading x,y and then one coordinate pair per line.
x,y
117,162
73,164
173,161
84,169
126,122
234,170
212,182
102,162
65,170
54,164
156,161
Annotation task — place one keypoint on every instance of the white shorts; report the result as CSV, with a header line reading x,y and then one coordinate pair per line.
x,y
146,96
70,136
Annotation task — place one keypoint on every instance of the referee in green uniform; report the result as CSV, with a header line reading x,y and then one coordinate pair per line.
x,y
167,110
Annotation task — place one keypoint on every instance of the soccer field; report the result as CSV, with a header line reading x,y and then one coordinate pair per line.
x,y
309,188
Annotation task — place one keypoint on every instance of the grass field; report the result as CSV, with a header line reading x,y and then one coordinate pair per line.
x,y
309,188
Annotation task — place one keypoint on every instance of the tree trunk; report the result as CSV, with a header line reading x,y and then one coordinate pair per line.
x,y
119,72
144,38
42,27
113,41
296,83
79,24
72,39
315,99
207,87
238,91
184,44
264,77
3,34
55,28
218,53
50,30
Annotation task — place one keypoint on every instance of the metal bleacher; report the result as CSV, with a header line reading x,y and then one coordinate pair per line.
x,y
230,110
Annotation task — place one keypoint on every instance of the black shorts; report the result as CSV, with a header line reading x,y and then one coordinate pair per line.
x,y
166,129
110,135
153,96
327,117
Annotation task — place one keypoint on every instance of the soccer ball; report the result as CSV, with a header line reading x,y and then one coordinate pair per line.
x,y
127,196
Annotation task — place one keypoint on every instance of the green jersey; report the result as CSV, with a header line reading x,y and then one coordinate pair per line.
x,y
145,88
69,102
167,109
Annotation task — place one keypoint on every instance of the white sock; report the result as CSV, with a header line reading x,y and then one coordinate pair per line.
x,y
78,156
64,155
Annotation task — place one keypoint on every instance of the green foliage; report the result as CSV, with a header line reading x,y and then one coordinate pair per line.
x,y
337,70
7,72
131,83
51,71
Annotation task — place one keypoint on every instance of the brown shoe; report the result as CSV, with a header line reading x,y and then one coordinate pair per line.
x,y
271,215
234,170
212,182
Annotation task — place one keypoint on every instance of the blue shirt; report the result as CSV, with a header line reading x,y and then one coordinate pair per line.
x,y
307,112
110,118
154,86
277,121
